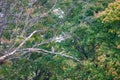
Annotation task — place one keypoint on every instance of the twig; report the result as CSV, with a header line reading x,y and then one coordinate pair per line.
x,y
33,21
14,51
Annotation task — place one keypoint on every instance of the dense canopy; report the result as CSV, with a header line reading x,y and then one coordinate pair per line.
x,y
59,39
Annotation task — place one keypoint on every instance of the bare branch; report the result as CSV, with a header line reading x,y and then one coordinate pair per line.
x,y
49,52
33,21
14,51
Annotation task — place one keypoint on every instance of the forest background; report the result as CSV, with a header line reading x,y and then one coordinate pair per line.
x,y
59,39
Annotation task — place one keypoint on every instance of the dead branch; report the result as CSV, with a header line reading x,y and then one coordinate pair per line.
x,y
62,54
14,51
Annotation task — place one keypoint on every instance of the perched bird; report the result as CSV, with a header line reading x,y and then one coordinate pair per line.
x,y
53,50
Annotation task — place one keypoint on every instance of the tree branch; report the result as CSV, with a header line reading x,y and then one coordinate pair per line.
x,y
49,52
15,50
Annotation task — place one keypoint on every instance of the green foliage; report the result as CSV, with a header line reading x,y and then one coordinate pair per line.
x,y
112,12
95,35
